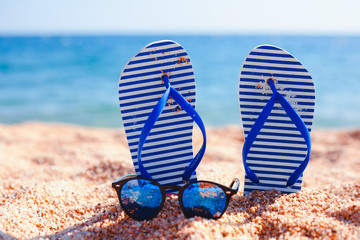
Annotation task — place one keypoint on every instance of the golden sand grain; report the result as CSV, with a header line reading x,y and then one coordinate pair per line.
x,y
56,184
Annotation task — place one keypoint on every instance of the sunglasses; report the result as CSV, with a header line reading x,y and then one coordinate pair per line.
x,y
142,198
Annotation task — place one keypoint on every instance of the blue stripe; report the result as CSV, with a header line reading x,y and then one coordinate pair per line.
x,y
156,72
275,68
276,75
190,80
153,174
275,108
160,126
277,114
277,154
167,164
158,51
266,100
271,185
155,99
269,94
174,117
150,94
274,127
132,110
273,160
283,55
161,132
189,155
280,141
158,58
270,166
280,147
154,153
167,144
275,179
269,47
153,66
249,59
256,81
276,121
162,139
164,43
277,134
147,114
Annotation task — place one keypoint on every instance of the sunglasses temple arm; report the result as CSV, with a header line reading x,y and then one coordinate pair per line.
x,y
235,184
122,178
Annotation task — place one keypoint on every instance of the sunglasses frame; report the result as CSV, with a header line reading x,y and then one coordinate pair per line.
x,y
229,192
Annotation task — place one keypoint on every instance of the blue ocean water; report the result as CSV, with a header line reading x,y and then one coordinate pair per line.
x,y
73,79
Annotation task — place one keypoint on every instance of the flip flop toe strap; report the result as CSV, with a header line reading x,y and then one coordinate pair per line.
x,y
259,123
154,115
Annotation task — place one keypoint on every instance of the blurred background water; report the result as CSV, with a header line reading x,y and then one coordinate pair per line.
x,y
73,79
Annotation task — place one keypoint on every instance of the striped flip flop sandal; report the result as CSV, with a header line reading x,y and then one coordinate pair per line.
x,y
277,100
157,102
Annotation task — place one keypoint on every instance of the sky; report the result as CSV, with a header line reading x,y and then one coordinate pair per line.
x,y
44,17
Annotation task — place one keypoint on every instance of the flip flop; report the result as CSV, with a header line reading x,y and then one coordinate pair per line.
x,y
277,101
157,101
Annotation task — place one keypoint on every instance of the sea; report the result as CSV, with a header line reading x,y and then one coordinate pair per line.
x,y
74,79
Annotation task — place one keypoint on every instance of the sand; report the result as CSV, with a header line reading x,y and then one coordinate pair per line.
x,y
56,183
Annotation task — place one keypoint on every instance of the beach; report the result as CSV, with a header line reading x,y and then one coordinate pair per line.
x,y
56,183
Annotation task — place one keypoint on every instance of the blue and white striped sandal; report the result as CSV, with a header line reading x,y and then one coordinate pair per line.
x,y
157,101
277,100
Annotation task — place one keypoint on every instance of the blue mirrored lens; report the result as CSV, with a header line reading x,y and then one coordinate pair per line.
x,y
204,199
141,199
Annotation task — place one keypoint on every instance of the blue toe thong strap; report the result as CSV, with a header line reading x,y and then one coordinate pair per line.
x,y
154,115
259,123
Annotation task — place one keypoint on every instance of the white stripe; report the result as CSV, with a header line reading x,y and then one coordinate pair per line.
x,y
274,182
254,110
279,86
164,135
188,151
293,131
279,51
152,49
254,90
169,141
279,138
173,81
276,105
172,160
256,187
167,68
256,77
274,163
278,150
169,174
156,75
162,88
291,124
259,175
162,122
266,64
277,144
172,147
157,61
275,156
178,179
163,115
282,118
272,58
267,97
152,103
254,70
264,168
137,133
